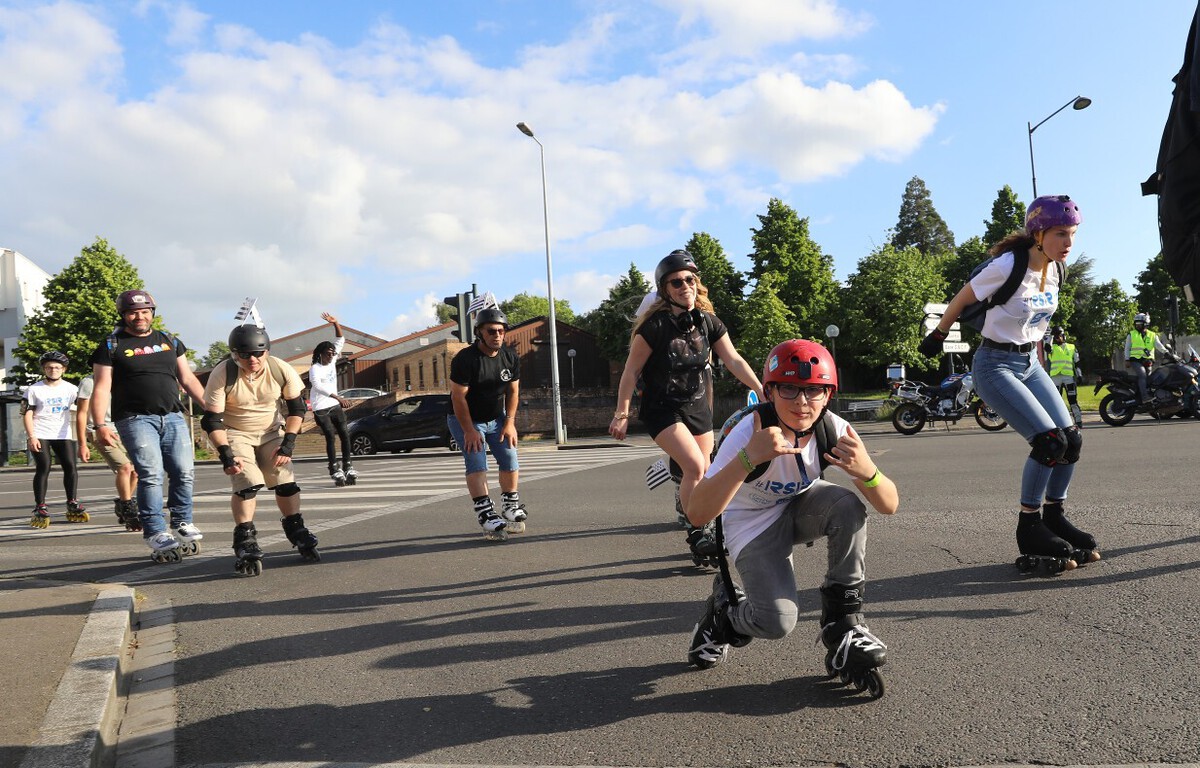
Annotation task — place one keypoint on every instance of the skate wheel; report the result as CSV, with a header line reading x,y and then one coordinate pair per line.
x,y
830,672
874,683
844,676
310,553
517,526
500,535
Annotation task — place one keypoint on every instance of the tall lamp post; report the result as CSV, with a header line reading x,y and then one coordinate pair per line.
x,y
559,437
832,331
1077,103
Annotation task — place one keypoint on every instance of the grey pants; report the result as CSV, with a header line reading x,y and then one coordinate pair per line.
x,y
765,564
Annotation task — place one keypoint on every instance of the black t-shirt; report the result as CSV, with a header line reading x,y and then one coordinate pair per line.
x,y
486,379
145,376
680,349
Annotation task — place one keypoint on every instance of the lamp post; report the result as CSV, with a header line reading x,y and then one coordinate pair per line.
x,y
571,354
559,436
832,331
1077,103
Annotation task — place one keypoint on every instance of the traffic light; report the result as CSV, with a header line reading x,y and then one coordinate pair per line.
x,y
460,302
1172,303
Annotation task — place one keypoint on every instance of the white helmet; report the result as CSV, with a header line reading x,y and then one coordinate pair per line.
x,y
1142,317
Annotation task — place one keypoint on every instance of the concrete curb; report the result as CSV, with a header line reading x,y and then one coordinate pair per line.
x,y
80,724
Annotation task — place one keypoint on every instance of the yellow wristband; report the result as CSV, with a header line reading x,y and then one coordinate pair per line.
x,y
874,481
620,416
749,465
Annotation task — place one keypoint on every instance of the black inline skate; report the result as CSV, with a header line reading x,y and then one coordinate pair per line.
x,y
127,514
706,550
300,537
76,512
351,475
338,477
246,550
714,633
1082,543
852,653
1042,552
40,517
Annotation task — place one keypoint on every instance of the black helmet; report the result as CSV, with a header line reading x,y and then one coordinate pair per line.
x,y
249,338
53,356
1057,331
674,262
131,300
490,315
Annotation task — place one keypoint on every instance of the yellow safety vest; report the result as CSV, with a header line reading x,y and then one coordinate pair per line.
x,y
1141,345
1062,359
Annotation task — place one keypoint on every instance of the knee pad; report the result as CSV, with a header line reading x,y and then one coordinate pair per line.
x,y
248,493
287,489
1048,447
1074,445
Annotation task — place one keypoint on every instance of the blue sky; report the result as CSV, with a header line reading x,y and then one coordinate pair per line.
x,y
362,157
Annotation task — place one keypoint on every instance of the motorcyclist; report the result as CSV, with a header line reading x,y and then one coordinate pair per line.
x,y
1062,362
1140,346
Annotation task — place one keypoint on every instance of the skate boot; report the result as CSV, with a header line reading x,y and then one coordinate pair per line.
x,y
706,550
164,548
852,653
513,512
1042,552
714,633
40,517
1083,544
495,527
246,550
338,476
1077,414
680,516
127,514
76,512
351,475
189,538
300,537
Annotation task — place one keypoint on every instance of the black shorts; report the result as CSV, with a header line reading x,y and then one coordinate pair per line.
x,y
697,417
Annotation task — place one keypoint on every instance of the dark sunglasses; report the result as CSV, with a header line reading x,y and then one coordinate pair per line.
x,y
679,282
813,393
494,331
248,355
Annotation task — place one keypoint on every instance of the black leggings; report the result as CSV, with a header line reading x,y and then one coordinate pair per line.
x,y
64,451
333,421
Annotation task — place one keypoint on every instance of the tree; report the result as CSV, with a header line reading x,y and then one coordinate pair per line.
x,y
958,265
612,322
79,312
806,283
1102,324
726,285
525,306
1151,289
766,320
919,225
1008,215
217,351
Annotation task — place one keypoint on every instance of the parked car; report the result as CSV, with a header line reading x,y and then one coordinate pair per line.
x,y
415,422
359,393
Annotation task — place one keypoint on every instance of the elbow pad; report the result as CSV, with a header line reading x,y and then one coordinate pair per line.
x,y
296,406
212,422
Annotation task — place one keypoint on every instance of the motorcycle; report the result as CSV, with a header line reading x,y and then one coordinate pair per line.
x,y
950,401
1172,386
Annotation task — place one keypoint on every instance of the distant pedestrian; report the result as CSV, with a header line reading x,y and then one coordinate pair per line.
x,y
1062,363
1141,345
125,476
46,410
328,406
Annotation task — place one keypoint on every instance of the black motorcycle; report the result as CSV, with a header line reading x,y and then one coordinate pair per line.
x,y
950,401
1172,386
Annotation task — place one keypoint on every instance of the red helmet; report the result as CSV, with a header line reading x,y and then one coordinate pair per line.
x,y
800,361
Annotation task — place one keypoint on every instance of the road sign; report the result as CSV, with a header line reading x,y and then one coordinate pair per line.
x,y
956,346
936,309
955,329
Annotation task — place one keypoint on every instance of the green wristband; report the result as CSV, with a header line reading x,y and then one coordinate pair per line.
x,y
874,481
749,465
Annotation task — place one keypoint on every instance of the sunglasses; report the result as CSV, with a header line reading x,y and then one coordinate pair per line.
x,y
679,282
248,355
813,394
494,331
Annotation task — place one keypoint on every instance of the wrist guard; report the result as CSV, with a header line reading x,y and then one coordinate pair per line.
x,y
226,455
288,445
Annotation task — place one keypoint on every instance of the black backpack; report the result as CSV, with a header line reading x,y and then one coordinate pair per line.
x,y
973,314
823,431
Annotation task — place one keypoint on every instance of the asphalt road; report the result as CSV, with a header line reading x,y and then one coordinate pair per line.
x,y
414,640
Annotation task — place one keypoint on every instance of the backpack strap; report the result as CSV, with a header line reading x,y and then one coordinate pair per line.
x,y
232,372
823,431
1013,281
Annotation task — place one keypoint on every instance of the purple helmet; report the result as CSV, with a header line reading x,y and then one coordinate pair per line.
x,y
1052,211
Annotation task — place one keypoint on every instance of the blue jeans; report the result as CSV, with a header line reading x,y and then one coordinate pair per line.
x,y
154,444
1020,390
476,461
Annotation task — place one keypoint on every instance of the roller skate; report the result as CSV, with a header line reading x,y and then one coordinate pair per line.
x,y
706,550
40,517
338,477
127,514
164,548
351,475
495,527
680,516
852,653
1083,544
246,550
1077,415
189,538
513,512
300,537
76,512
714,633
1042,552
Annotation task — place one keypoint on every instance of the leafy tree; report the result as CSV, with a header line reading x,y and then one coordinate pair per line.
x,y
920,226
1102,324
884,306
80,310
612,322
726,285
443,312
806,284
1151,289
525,306
957,266
766,321
1008,215
217,351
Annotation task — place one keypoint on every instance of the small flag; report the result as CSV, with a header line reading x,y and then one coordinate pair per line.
x,y
657,474
482,302
248,312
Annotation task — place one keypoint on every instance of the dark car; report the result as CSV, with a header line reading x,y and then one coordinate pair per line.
x,y
415,422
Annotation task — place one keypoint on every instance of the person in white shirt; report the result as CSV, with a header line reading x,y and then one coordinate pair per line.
x,y
328,406
46,411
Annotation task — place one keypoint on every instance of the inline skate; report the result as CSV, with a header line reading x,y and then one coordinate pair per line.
x,y
246,550
706,550
351,475
300,537
76,512
189,538
40,517
338,477
513,512
1083,544
714,633
1042,552
127,514
852,653
164,548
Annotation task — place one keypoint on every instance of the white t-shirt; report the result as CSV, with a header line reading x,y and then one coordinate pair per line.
x,y
758,504
323,379
87,386
1026,315
51,406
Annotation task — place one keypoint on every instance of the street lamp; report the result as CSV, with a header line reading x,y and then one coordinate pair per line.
x,y
571,354
832,331
1078,103
559,437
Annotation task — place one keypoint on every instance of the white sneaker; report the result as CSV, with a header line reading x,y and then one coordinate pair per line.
x,y
161,542
188,532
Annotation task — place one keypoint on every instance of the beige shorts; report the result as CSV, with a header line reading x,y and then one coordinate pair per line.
x,y
257,452
114,455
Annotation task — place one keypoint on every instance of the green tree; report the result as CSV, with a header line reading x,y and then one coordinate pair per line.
x,y
217,351
1102,324
1008,215
884,307
80,310
766,320
920,226
612,322
1151,289
806,285
957,266
525,306
726,285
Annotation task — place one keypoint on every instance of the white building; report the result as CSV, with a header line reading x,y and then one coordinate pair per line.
x,y
21,286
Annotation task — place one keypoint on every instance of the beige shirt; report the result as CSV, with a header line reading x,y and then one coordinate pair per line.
x,y
253,403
